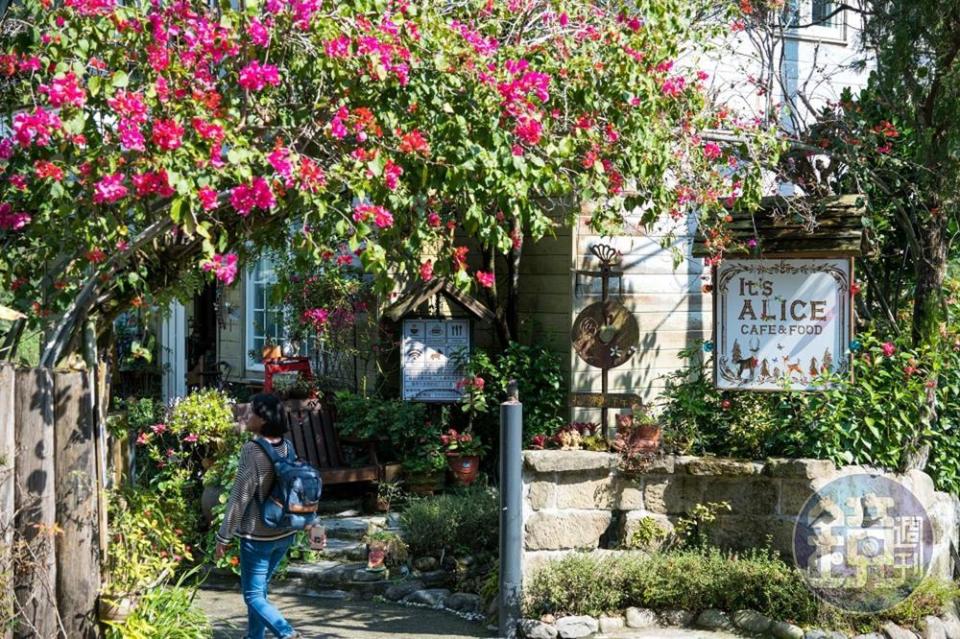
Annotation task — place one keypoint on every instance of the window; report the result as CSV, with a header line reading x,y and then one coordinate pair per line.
x,y
263,319
815,19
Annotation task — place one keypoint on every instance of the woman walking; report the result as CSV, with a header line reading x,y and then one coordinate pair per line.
x,y
261,548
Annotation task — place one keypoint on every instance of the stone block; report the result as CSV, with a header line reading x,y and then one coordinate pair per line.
x,y
676,617
672,495
893,631
752,621
641,618
433,597
745,497
717,466
536,629
781,532
784,630
559,531
640,520
799,468
464,602
610,625
397,592
712,619
552,461
628,494
794,494
584,491
921,485
933,628
739,532
542,494
576,627
951,625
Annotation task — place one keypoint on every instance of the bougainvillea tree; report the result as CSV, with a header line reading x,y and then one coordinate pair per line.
x,y
147,138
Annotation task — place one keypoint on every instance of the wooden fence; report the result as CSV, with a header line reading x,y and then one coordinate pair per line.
x,y
52,512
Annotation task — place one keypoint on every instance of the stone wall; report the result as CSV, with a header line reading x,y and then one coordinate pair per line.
x,y
579,500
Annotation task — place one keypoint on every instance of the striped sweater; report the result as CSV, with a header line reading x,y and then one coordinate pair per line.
x,y
253,484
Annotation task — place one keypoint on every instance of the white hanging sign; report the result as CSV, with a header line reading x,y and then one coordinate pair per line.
x,y
781,323
428,350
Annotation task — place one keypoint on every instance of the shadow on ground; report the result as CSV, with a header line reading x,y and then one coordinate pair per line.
x,y
334,619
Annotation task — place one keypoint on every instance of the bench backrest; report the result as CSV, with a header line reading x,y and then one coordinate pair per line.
x,y
311,429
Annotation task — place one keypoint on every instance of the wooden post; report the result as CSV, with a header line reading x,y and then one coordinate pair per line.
x,y
78,544
8,452
36,577
100,405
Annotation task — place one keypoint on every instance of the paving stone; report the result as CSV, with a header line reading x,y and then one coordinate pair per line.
x,y
869,635
641,617
752,621
712,619
365,576
464,602
536,629
398,591
433,597
426,564
817,633
435,577
951,625
577,627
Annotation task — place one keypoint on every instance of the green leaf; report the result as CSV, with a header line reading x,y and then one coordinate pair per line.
x,y
93,85
120,79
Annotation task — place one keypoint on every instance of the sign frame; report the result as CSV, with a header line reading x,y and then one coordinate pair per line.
x,y
850,328
454,396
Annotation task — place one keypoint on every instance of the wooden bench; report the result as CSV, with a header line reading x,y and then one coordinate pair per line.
x,y
316,441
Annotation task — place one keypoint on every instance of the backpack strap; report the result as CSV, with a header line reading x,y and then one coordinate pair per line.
x,y
291,451
269,450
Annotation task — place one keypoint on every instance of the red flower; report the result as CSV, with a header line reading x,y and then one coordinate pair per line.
x,y
888,349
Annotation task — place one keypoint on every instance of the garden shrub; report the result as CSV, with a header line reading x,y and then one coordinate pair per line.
x,y
463,522
871,419
163,613
701,578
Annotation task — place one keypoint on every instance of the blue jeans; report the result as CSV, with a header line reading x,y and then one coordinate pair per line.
x,y
258,561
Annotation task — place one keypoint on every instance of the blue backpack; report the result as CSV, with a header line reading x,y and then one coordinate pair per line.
x,y
295,495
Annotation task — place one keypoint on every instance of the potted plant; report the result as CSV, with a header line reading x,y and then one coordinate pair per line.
x,y
424,469
388,493
638,432
295,387
384,548
463,451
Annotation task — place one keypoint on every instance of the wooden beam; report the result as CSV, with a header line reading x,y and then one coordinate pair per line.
x,y
8,453
597,400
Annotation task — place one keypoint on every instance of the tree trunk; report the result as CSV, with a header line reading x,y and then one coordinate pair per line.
x,y
512,302
927,317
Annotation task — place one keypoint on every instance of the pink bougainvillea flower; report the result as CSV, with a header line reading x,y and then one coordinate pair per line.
x,y
224,267
673,87
131,138
483,45
259,32
378,214
64,90
528,129
191,438
280,160
6,148
36,127
338,47
45,169
129,106
109,189
414,142
711,150
426,271
96,256
258,194
208,130
391,175
460,258
208,198
888,349
433,219
91,7
152,183
167,135
18,182
312,176
256,76
485,279
159,429
143,438
10,221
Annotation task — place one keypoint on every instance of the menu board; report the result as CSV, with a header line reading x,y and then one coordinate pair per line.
x,y
430,372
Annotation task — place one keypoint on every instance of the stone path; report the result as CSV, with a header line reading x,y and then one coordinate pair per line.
x,y
319,618
334,619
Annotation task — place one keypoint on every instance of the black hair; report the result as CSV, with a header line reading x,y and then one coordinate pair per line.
x,y
267,407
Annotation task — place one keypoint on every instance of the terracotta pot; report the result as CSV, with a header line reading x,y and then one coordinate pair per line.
x,y
116,608
376,556
464,467
646,437
424,483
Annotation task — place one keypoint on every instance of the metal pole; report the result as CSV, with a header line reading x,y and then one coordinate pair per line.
x,y
511,516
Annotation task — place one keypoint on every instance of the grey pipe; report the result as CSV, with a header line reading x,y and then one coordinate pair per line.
x,y
511,516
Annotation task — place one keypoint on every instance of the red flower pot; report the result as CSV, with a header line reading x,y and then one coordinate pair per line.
x,y
465,468
646,438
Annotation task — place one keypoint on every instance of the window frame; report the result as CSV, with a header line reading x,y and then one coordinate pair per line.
x,y
250,333
835,33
